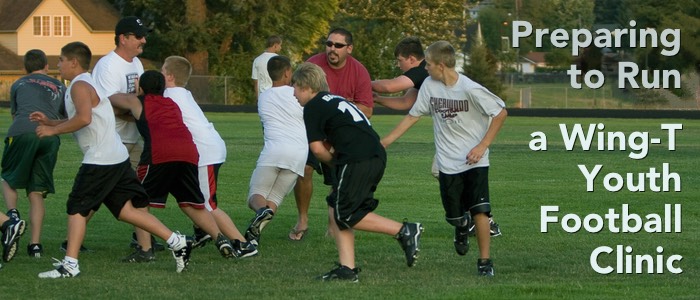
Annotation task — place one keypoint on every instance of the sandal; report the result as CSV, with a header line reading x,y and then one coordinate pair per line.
x,y
297,235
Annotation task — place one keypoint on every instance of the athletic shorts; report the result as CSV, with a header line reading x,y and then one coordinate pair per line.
x,y
352,197
177,178
28,162
272,183
112,185
208,182
466,191
313,162
135,150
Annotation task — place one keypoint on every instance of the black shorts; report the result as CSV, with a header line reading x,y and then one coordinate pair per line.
x,y
466,191
353,196
112,185
181,179
313,162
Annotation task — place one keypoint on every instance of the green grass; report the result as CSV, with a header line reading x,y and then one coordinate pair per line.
x,y
529,264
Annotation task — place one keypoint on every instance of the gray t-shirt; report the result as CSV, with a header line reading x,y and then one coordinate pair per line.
x,y
461,116
35,92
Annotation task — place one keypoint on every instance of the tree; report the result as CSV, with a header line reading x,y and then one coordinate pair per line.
x,y
378,25
222,37
482,66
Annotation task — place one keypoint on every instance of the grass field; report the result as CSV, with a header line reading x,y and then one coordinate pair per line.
x,y
529,264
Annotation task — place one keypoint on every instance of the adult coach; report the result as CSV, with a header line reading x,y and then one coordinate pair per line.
x,y
119,72
261,79
348,78
28,161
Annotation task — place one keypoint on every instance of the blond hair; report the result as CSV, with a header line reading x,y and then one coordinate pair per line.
x,y
180,68
441,52
309,75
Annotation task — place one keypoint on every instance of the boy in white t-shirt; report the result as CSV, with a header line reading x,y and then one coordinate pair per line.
x,y
285,151
466,118
212,153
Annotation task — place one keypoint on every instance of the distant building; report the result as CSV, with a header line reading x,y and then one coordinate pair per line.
x,y
49,25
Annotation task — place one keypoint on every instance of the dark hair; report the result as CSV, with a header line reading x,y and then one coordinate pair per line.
x,y
277,65
273,40
344,32
79,51
409,46
152,82
34,60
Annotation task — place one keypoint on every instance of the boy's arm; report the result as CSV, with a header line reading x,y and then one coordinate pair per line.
x,y
403,126
125,103
404,102
400,83
322,154
84,99
477,152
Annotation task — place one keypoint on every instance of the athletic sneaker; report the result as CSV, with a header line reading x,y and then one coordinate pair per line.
x,y
64,246
62,270
409,238
12,230
495,229
139,256
35,250
181,253
262,217
461,241
341,273
244,249
224,246
134,242
13,214
200,237
485,267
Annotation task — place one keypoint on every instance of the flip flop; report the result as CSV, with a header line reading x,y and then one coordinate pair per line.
x,y
294,233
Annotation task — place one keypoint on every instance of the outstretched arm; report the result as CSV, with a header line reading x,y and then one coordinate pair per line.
x,y
403,126
404,102
400,83
126,103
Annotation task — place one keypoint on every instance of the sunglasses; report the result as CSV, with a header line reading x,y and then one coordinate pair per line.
x,y
330,44
138,37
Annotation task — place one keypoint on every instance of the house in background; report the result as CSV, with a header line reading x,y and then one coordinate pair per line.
x,y
531,61
50,24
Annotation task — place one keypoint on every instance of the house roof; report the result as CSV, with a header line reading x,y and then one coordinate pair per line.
x,y
98,15
10,60
536,57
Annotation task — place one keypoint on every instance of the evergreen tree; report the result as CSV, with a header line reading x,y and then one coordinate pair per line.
x,y
482,66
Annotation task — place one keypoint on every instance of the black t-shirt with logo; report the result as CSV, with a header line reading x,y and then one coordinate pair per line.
x,y
332,118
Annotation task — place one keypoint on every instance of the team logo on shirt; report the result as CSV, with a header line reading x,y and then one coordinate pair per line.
x,y
448,108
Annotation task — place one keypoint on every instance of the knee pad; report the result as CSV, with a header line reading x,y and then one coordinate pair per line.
x,y
461,221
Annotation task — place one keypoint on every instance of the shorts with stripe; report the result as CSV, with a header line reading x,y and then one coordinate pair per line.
x,y
177,178
353,195
208,184
112,185
466,191
28,162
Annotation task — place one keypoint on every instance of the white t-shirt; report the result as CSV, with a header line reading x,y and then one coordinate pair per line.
x,y
211,147
113,74
98,141
260,71
283,128
461,116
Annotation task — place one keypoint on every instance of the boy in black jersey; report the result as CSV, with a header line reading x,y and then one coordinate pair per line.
x,y
340,135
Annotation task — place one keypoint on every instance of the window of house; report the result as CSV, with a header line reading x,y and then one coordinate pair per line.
x,y
43,25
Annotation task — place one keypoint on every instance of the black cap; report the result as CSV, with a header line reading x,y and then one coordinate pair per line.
x,y
131,25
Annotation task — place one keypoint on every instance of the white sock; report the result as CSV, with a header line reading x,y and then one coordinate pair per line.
x,y
72,262
175,242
